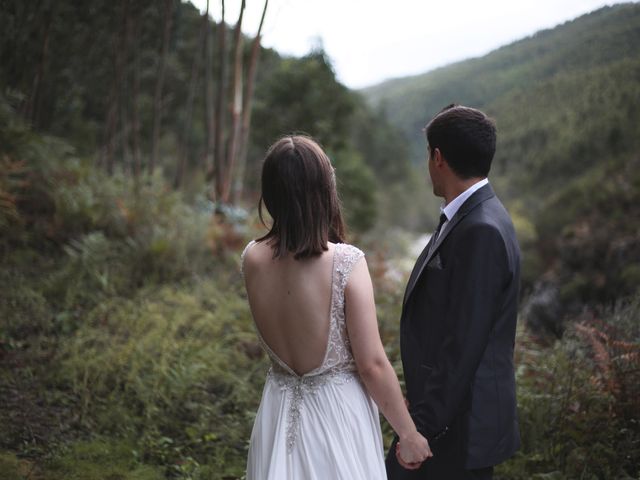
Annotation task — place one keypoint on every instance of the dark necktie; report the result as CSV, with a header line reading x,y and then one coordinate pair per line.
x,y
443,218
425,254
434,238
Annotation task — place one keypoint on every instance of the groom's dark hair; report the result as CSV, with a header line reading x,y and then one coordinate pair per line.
x,y
299,191
466,137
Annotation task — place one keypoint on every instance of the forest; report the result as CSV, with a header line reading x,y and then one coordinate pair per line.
x,y
131,140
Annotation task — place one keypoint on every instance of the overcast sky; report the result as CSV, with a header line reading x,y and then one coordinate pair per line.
x,y
370,41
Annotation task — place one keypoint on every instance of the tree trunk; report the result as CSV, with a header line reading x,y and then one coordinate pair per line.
x,y
210,111
123,81
157,99
106,154
220,112
32,108
247,106
195,68
135,114
115,96
234,137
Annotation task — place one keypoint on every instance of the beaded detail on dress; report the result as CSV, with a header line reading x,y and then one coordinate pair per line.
x,y
298,387
338,365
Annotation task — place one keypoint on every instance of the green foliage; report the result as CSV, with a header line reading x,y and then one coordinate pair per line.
x,y
358,189
75,82
567,105
78,91
25,178
575,121
174,370
401,189
126,234
527,234
590,234
10,467
296,99
178,364
98,460
578,401
23,306
120,302
370,156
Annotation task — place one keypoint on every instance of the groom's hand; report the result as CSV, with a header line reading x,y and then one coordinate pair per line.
x,y
403,464
407,465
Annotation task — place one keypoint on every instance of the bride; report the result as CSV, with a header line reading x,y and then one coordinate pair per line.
x,y
312,302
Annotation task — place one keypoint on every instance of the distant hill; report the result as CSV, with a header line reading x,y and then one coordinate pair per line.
x,y
567,106
558,90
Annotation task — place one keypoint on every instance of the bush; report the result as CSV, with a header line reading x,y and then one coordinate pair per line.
x,y
578,400
358,190
174,368
97,460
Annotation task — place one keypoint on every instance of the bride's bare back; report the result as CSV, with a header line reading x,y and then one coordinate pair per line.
x,y
290,301
301,322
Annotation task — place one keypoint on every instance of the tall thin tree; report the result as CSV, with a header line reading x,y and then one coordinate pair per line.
x,y
248,106
134,26
114,101
123,88
209,111
184,149
236,110
157,99
33,104
218,161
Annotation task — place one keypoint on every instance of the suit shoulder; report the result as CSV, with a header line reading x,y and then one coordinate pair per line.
x,y
479,228
493,213
491,224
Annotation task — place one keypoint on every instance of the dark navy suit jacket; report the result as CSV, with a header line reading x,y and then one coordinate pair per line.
x,y
457,338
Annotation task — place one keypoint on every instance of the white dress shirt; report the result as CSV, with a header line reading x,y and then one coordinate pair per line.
x,y
454,205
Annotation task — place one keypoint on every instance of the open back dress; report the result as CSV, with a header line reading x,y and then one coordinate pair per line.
x,y
323,424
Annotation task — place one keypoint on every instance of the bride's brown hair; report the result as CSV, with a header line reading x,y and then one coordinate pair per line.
x,y
299,192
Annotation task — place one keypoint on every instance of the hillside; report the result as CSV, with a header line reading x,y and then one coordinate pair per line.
x,y
567,105
581,70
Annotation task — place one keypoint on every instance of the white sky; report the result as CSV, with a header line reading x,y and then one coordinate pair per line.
x,y
370,41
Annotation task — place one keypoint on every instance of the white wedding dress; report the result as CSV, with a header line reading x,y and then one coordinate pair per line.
x,y
321,425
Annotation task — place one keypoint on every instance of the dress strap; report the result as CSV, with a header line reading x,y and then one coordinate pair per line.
x,y
348,256
345,258
244,252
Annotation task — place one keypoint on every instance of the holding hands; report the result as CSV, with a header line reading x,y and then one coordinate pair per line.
x,y
412,450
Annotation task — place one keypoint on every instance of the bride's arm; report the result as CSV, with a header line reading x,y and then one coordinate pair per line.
x,y
374,366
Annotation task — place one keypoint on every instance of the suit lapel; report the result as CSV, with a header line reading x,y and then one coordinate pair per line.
x,y
473,201
416,269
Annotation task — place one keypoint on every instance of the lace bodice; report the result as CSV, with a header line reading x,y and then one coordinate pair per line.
x,y
338,364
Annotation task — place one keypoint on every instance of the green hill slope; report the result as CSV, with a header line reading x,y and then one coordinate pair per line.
x,y
567,105
595,50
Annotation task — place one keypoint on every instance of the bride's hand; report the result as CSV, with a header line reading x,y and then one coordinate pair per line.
x,y
412,450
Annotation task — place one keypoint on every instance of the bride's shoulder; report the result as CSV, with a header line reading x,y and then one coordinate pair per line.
x,y
247,248
250,255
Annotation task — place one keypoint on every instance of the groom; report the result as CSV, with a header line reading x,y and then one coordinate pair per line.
x,y
459,313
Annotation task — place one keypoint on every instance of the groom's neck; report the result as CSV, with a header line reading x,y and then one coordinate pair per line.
x,y
456,186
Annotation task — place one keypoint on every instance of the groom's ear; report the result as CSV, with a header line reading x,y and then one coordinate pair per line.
x,y
438,159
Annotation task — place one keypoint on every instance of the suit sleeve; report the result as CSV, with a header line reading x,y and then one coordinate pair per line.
x,y
478,274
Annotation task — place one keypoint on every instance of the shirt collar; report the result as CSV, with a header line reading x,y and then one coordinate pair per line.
x,y
452,208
